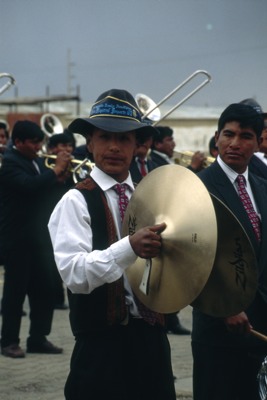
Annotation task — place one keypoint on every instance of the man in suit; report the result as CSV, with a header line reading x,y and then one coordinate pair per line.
x,y
163,146
163,149
142,164
226,356
23,186
258,162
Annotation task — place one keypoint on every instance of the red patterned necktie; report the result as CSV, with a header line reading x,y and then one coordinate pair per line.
x,y
151,317
244,196
142,167
123,199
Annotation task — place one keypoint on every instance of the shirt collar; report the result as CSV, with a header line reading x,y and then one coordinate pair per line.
x,y
163,155
232,175
106,182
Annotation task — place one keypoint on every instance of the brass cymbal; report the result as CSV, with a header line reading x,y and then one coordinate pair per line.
x,y
232,284
176,196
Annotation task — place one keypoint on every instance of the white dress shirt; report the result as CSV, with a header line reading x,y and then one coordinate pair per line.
x,y
81,268
166,158
261,156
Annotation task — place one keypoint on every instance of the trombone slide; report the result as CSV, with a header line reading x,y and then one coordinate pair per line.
x,y
151,106
7,85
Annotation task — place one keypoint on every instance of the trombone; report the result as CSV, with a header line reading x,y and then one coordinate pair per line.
x,y
76,166
148,106
7,84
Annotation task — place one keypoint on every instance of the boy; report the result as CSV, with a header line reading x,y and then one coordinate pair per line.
x,y
121,351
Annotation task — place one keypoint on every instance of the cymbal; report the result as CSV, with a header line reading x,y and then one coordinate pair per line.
x,y
233,281
176,196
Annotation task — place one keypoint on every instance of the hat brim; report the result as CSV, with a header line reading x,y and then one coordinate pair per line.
x,y
85,126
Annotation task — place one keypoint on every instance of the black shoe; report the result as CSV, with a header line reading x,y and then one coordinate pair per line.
x,y
43,348
13,351
179,330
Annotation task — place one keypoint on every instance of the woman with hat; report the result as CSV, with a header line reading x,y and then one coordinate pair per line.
x,y
121,350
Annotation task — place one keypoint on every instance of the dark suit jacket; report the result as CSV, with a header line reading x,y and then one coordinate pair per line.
x,y
218,184
135,172
157,159
257,167
22,194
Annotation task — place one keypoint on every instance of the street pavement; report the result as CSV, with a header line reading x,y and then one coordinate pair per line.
x,y
42,376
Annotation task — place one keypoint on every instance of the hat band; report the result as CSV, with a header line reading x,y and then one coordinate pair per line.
x,y
112,107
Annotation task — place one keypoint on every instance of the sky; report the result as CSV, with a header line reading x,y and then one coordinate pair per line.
x,y
143,46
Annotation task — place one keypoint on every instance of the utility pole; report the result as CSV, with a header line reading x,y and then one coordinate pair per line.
x,y
70,75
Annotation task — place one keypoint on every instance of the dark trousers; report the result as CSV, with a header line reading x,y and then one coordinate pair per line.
x,y
122,363
226,365
26,273
225,373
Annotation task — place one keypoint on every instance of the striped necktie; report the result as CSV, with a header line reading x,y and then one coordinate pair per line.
x,y
142,167
123,199
247,203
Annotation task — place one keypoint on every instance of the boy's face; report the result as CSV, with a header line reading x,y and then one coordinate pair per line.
x,y
112,152
236,145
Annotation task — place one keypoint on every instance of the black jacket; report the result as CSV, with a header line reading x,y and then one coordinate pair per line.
x,y
22,200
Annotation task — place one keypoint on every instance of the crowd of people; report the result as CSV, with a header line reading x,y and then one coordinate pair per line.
x,y
58,236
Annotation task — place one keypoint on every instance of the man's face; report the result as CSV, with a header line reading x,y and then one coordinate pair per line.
x,y
68,147
3,138
263,143
143,148
113,152
29,147
166,146
236,145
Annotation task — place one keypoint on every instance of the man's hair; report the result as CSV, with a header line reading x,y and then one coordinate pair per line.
x,y
59,138
162,132
4,127
212,144
245,115
27,130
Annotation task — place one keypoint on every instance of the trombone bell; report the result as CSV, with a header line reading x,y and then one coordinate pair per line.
x,y
51,124
147,106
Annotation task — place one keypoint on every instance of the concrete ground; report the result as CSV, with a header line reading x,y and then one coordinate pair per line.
x,y
42,377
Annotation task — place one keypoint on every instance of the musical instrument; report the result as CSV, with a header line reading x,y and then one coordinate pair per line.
x,y
10,82
183,158
262,379
80,169
146,104
50,124
233,281
150,109
176,277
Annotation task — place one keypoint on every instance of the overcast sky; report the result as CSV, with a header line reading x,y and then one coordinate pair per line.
x,y
147,46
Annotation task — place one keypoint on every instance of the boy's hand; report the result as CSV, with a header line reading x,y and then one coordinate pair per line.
x,y
146,242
